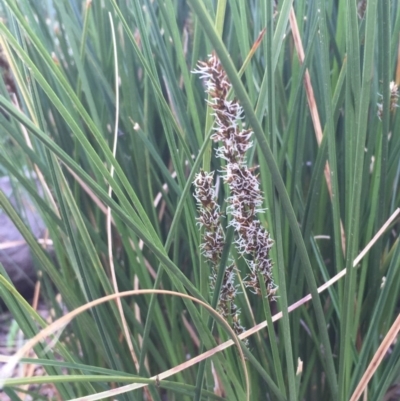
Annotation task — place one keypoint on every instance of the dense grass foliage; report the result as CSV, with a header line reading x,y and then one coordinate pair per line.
x,y
99,103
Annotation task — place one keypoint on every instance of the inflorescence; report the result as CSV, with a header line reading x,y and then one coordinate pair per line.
x,y
213,245
246,199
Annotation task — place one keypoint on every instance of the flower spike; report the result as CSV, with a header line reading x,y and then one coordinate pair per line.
x,y
245,201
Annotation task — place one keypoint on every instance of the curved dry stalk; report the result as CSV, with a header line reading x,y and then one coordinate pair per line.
x,y
109,231
380,353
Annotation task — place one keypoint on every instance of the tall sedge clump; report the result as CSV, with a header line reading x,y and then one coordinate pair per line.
x,y
245,201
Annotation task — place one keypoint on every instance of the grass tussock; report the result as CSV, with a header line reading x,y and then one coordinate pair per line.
x,y
226,234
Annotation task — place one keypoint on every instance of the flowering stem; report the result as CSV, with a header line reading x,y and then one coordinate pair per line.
x,y
253,241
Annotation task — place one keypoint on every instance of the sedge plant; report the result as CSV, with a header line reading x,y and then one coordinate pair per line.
x,y
266,203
